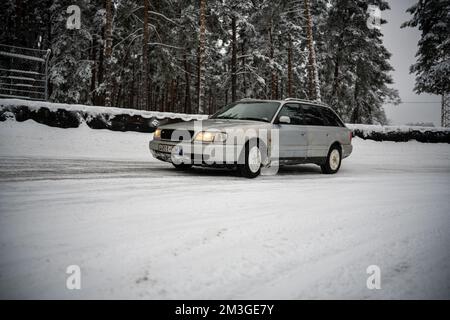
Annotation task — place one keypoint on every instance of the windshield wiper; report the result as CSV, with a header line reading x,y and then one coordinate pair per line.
x,y
254,119
245,118
224,118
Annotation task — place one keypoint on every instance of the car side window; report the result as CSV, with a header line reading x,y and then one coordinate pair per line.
x,y
313,116
294,112
331,118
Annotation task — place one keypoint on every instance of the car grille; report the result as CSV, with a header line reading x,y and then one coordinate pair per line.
x,y
166,134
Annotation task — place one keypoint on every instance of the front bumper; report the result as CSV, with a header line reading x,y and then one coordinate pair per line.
x,y
195,153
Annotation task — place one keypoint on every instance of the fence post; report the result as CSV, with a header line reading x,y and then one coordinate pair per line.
x,y
47,56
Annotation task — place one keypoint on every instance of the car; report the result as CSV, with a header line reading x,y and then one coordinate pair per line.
x,y
252,135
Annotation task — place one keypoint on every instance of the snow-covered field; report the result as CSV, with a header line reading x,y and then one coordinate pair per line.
x,y
139,229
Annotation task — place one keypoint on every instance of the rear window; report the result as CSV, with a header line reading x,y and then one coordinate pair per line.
x,y
312,115
331,119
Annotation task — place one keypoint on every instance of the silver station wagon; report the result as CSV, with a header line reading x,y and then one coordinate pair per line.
x,y
257,136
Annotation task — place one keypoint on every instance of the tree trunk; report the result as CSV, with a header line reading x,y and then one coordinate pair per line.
x,y
200,62
131,94
272,75
175,96
119,99
289,88
187,77
165,90
335,90
94,70
355,117
233,59
313,76
108,54
244,89
145,40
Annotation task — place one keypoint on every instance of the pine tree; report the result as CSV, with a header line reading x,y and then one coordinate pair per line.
x,y
357,64
432,69
70,67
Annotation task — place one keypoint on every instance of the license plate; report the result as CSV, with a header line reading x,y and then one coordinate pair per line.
x,y
165,148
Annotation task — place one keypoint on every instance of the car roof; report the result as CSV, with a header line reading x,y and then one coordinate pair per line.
x,y
287,100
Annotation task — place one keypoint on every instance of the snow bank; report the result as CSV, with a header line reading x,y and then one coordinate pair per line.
x,y
369,128
97,110
401,133
71,116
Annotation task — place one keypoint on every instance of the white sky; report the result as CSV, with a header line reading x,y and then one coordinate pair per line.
x,y
402,43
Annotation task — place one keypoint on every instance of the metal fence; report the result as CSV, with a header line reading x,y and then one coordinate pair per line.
x,y
23,73
446,110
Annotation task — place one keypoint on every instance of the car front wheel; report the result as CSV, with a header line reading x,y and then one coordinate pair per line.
x,y
182,166
333,162
251,168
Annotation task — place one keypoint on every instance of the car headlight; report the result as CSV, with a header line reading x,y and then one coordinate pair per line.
x,y
211,136
157,134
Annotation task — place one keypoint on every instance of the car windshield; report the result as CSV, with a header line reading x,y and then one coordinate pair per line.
x,y
256,111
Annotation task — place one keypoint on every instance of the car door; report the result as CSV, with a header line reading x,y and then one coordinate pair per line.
x,y
318,134
336,129
293,136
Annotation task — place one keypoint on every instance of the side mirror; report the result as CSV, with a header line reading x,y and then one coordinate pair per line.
x,y
285,120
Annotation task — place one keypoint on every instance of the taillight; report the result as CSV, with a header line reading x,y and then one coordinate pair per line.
x,y
350,136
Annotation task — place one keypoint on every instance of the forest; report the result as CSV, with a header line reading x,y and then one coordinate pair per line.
x,y
195,56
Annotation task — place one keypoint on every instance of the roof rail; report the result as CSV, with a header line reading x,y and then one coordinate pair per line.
x,y
307,101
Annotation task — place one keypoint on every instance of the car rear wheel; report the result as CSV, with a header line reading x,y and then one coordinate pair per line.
x,y
251,168
333,162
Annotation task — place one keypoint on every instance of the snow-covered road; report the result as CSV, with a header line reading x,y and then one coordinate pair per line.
x,y
139,229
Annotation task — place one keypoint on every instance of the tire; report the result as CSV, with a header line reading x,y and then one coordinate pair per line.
x,y
252,162
182,167
333,162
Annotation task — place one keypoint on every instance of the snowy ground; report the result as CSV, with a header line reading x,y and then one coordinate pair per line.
x,y
138,229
